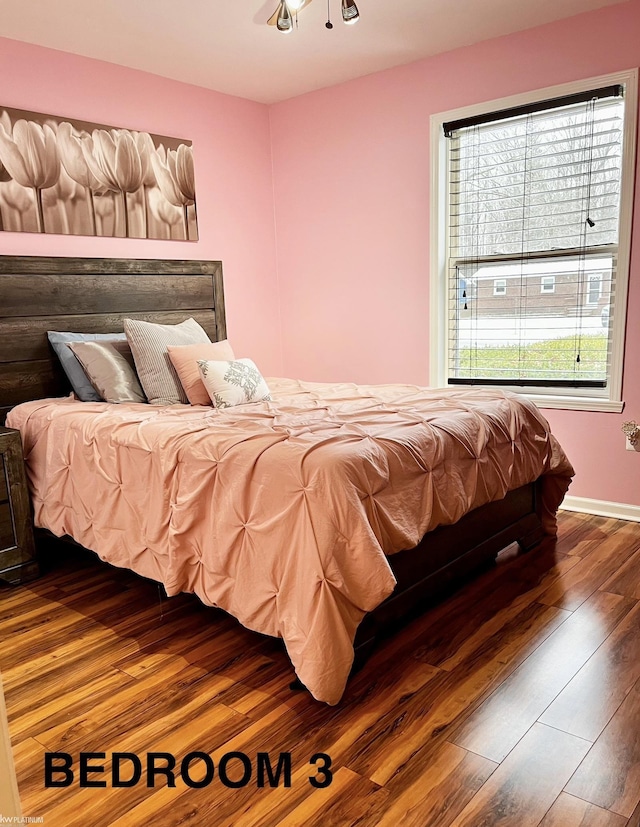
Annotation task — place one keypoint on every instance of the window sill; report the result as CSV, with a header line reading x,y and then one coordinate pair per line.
x,y
552,400
575,403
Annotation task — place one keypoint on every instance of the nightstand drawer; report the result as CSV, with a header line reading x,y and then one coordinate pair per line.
x,y
18,562
4,494
7,536
12,557
17,566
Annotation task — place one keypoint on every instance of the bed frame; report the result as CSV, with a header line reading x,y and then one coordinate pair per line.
x,y
94,295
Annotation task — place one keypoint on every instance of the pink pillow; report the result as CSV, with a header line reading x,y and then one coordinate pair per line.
x,y
185,360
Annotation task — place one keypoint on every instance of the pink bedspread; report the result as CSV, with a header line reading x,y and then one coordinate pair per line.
x,y
282,512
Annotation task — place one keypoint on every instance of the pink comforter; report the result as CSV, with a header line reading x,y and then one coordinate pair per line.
x,y
282,512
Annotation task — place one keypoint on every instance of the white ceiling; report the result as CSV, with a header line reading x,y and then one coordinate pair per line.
x,y
225,44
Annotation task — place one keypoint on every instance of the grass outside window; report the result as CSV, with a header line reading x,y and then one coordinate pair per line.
x,y
537,360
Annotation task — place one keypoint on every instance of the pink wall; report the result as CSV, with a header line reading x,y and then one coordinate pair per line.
x,y
351,175
233,176
351,182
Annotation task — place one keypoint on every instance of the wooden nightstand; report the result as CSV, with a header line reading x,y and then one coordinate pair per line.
x,y
17,549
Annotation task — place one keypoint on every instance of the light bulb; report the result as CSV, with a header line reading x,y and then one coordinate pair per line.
x,y
285,21
350,13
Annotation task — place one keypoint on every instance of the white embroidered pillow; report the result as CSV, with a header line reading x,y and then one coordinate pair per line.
x,y
233,383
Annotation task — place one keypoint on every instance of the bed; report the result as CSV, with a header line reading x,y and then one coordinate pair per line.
x,y
327,514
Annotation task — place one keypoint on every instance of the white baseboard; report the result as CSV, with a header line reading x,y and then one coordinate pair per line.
x,y
585,505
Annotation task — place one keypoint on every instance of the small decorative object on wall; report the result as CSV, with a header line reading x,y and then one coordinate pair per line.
x,y
632,432
79,178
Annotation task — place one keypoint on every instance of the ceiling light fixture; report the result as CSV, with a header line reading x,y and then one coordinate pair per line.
x,y
285,16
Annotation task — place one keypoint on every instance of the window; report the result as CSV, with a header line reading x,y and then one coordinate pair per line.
x,y
533,201
594,290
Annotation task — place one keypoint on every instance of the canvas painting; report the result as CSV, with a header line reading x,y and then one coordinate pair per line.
x,y
60,175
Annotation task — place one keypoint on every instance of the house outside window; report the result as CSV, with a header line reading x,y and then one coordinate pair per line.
x,y
532,198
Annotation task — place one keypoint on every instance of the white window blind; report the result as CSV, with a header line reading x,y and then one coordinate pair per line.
x,y
533,229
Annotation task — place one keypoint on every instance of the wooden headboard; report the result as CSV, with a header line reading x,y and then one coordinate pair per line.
x,y
91,295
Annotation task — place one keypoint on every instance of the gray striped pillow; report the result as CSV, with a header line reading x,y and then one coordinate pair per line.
x,y
149,344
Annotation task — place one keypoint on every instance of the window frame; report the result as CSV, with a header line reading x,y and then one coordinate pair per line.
x,y
610,398
499,287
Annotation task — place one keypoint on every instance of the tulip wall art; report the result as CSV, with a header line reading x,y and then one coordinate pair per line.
x,y
79,178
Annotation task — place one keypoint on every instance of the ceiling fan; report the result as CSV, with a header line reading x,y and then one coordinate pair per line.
x,y
287,12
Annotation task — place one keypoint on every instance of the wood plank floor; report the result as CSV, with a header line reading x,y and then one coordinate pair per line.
x,y
514,703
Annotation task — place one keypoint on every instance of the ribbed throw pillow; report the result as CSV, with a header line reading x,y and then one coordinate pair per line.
x,y
149,343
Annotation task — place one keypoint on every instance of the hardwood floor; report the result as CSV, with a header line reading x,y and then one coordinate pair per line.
x,y
514,703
